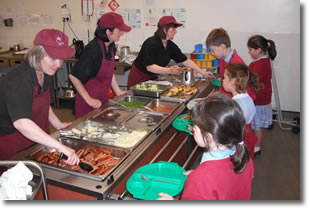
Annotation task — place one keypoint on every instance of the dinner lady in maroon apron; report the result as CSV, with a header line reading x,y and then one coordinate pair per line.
x,y
92,75
25,111
156,53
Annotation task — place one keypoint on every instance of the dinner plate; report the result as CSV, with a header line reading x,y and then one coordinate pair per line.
x,y
149,180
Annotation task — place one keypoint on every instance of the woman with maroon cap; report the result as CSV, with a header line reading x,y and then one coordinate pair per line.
x,y
25,111
92,75
156,53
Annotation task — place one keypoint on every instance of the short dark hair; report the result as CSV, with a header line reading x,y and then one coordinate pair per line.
x,y
217,37
101,32
160,32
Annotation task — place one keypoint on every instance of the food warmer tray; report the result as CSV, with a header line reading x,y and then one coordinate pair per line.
x,y
163,106
179,98
113,115
108,134
130,98
146,119
116,153
149,93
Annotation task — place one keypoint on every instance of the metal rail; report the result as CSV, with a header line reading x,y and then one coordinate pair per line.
x,y
278,110
123,196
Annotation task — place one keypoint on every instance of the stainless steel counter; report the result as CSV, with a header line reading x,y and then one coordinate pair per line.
x,y
115,182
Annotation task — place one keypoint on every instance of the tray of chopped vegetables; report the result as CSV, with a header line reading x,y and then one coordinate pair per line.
x,y
149,89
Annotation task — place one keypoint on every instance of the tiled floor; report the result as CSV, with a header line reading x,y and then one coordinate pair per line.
x,y
277,170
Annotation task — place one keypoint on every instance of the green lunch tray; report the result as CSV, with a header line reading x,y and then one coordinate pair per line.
x,y
182,124
216,82
149,180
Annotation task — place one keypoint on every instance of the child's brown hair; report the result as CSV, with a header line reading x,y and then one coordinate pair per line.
x,y
217,37
243,76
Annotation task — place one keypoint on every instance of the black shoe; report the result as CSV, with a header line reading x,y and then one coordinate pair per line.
x,y
257,153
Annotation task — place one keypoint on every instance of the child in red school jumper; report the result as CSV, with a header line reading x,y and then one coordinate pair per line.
x,y
237,78
262,50
228,171
220,46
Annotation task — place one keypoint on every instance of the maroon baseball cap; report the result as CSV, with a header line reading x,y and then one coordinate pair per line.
x,y
55,43
113,20
164,20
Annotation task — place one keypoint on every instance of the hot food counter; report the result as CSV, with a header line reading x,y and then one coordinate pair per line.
x,y
125,138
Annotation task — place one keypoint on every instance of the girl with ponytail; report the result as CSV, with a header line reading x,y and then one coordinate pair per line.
x,y
237,79
227,170
262,51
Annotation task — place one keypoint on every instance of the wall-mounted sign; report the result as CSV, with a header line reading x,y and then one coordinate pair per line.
x,y
113,5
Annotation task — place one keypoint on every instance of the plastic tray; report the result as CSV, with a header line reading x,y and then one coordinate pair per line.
x,y
216,82
163,176
182,124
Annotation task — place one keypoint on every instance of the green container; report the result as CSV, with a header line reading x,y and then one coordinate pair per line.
x,y
166,177
182,124
216,82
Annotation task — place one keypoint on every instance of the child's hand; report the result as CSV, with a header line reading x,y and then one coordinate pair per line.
x,y
186,173
191,129
164,196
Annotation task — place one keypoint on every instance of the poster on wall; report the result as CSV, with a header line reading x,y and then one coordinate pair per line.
x,y
132,17
152,15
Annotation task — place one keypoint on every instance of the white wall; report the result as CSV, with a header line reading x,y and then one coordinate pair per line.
x,y
278,20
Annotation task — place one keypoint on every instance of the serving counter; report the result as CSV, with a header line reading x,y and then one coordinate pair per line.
x,y
162,143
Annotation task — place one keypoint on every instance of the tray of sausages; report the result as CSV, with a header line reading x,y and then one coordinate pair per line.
x,y
102,158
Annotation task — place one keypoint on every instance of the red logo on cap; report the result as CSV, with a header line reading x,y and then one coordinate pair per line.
x,y
59,41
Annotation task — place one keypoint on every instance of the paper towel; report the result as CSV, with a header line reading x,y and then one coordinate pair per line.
x,y
14,183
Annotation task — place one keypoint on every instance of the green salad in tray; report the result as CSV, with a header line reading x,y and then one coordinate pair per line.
x,y
148,87
132,104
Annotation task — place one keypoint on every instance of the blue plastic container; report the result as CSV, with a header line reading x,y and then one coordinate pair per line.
x,y
198,48
215,63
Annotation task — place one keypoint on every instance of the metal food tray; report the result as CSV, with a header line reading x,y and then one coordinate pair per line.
x,y
148,93
146,119
130,98
113,115
108,134
179,98
115,152
157,104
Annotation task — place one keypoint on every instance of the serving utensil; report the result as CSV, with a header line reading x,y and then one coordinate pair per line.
x,y
82,165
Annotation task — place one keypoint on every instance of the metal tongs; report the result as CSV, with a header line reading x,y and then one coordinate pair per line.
x,y
70,133
82,165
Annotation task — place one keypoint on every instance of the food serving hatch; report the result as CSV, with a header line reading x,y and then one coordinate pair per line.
x,y
123,136
54,161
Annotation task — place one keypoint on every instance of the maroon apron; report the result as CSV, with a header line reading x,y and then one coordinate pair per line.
x,y
136,76
97,87
16,142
